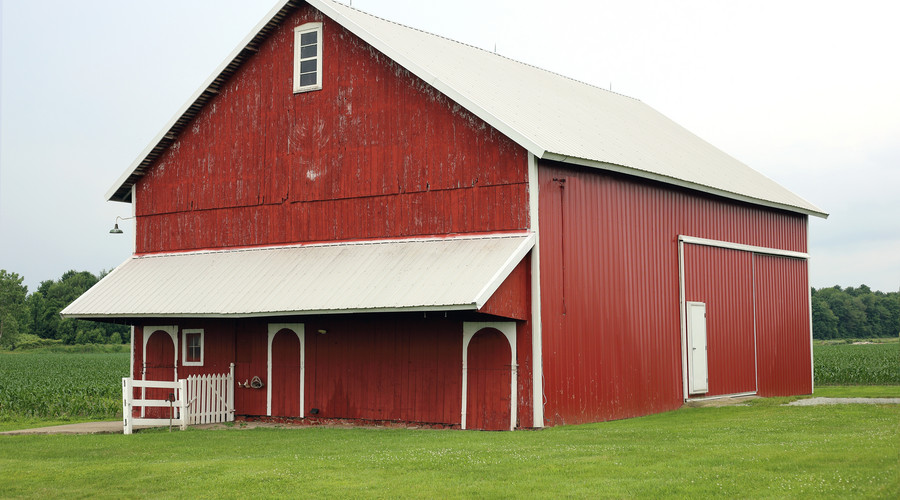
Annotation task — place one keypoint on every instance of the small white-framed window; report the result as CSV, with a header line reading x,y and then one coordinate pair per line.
x,y
192,347
308,57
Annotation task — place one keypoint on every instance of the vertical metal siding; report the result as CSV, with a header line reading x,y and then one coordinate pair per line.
x,y
723,279
783,329
609,285
376,153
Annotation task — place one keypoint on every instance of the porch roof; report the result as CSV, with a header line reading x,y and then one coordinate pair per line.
x,y
422,274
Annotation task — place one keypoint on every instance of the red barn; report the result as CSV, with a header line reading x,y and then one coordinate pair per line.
x,y
383,224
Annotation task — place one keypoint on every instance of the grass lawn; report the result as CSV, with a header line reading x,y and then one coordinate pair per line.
x,y
760,450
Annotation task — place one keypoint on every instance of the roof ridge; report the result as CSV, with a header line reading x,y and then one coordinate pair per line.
x,y
534,66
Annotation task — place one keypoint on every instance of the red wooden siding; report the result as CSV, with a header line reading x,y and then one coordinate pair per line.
x,y
488,388
376,367
376,153
609,285
513,298
783,329
385,369
723,279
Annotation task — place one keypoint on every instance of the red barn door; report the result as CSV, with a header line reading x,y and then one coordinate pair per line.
x,y
489,379
286,374
159,359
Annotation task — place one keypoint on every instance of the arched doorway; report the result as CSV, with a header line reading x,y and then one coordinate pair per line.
x,y
286,367
159,364
489,376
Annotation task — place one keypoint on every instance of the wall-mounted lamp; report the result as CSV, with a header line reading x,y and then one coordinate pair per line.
x,y
115,229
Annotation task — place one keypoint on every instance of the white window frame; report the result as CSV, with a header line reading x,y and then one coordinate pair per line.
x,y
184,346
298,32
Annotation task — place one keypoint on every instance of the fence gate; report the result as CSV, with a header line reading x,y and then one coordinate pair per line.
x,y
198,399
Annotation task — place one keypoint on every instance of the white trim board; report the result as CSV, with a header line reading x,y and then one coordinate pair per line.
x,y
508,329
693,240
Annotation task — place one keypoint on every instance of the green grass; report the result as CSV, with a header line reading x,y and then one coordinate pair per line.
x,y
58,386
746,452
857,391
847,364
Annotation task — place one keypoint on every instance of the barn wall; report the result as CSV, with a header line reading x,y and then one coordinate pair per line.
x,y
377,153
610,290
405,367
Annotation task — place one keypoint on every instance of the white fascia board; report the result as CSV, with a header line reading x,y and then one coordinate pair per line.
x,y
269,314
693,240
196,95
681,183
497,279
443,87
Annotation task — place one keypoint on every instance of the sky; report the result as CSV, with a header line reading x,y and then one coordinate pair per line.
x,y
806,92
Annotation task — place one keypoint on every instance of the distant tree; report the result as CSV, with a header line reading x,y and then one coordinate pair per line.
x,y
825,323
53,296
14,316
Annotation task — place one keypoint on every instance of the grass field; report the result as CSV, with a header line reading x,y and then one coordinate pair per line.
x,y
761,450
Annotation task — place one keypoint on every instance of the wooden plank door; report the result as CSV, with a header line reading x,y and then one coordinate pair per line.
x,y
286,374
489,378
159,359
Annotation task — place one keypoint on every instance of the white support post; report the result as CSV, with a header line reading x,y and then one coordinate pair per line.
x,y
183,402
127,396
230,389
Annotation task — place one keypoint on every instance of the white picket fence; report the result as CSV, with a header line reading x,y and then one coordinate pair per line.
x,y
198,399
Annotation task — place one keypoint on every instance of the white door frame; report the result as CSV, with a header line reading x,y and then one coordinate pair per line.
x,y
508,329
299,330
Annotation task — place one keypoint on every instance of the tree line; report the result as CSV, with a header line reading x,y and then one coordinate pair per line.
x,y
33,319
855,313
26,319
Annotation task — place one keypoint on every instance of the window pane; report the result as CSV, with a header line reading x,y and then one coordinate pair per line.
x,y
308,38
308,51
307,79
308,66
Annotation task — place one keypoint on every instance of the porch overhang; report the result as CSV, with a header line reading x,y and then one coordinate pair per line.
x,y
418,274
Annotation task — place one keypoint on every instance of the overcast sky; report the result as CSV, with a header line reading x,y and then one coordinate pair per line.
x,y
806,92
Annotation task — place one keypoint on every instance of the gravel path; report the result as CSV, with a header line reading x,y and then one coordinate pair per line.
x,y
844,401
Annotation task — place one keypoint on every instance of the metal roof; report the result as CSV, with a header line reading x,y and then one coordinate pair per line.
x,y
459,273
552,116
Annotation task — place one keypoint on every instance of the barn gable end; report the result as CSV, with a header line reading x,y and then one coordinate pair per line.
x,y
376,153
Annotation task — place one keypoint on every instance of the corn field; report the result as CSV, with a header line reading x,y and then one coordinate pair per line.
x,y
58,385
862,364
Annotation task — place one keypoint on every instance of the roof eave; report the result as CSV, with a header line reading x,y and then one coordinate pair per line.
x,y
121,189
807,210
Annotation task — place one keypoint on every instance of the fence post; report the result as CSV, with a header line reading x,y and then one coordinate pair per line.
x,y
182,387
127,396
229,389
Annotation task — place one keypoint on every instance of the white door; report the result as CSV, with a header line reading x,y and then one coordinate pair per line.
x,y
698,376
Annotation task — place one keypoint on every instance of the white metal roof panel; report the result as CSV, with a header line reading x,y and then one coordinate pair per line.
x,y
390,275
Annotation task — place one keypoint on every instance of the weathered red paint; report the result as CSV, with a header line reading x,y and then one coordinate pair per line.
x,y
376,153
610,287
385,368
488,388
723,280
